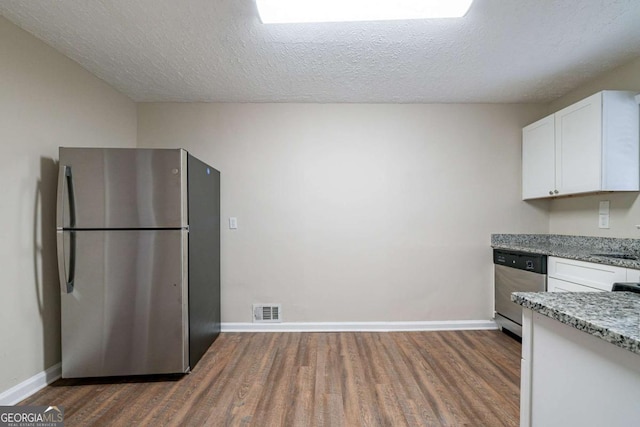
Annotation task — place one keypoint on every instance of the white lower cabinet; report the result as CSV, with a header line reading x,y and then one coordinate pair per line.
x,y
568,275
633,275
555,285
525,368
569,377
572,378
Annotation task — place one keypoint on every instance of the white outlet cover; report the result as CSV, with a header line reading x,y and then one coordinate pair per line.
x,y
603,221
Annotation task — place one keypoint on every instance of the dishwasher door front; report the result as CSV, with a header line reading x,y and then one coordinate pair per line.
x,y
508,280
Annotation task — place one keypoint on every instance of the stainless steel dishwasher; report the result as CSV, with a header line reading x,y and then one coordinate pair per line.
x,y
516,272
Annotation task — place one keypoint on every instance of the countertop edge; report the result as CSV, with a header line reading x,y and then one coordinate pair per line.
x,y
606,334
624,263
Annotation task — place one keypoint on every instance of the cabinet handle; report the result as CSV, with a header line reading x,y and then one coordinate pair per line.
x,y
556,191
551,193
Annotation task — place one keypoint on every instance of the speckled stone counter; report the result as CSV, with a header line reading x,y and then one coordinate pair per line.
x,y
611,316
581,248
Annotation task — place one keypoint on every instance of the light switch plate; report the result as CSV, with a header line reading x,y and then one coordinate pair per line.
x,y
233,223
604,207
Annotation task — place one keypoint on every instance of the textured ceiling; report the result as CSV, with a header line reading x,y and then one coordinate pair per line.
x,y
218,51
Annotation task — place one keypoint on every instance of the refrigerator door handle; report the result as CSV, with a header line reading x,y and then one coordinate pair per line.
x,y
65,179
62,274
66,276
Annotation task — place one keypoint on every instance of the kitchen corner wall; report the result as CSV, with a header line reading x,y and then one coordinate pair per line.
x,y
355,212
579,215
46,100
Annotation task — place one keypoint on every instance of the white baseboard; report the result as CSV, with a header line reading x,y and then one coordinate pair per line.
x,y
447,325
31,385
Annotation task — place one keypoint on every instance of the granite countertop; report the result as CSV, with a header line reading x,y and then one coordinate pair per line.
x,y
611,316
581,248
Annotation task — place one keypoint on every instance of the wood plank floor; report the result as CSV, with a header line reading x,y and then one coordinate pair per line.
x,y
460,378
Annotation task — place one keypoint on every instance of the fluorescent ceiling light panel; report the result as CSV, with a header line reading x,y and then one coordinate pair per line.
x,y
290,11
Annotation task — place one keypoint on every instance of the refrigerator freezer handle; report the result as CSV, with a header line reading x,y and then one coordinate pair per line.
x,y
62,173
65,177
66,279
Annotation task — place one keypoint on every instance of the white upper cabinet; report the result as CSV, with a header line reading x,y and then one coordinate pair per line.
x,y
538,152
588,147
579,146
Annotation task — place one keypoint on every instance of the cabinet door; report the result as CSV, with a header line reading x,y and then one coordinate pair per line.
x,y
555,285
620,167
538,159
578,379
598,276
633,275
579,146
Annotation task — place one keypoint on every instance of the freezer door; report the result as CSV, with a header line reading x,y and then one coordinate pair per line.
x,y
121,188
127,312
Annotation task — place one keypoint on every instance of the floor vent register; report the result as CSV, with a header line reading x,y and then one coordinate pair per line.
x,y
267,313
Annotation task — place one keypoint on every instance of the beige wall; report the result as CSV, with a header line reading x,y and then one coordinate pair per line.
x,y
46,100
358,212
579,215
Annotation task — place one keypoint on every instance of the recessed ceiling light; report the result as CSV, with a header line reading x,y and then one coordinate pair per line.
x,y
290,11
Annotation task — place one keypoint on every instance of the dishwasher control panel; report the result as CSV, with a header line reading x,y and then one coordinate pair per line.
x,y
536,263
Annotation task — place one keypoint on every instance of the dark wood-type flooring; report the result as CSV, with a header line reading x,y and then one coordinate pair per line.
x,y
460,378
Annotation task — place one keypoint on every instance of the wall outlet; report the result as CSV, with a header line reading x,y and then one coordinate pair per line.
x,y
603,221
603,214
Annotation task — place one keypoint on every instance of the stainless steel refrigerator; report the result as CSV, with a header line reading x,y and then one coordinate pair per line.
x,y
138,235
